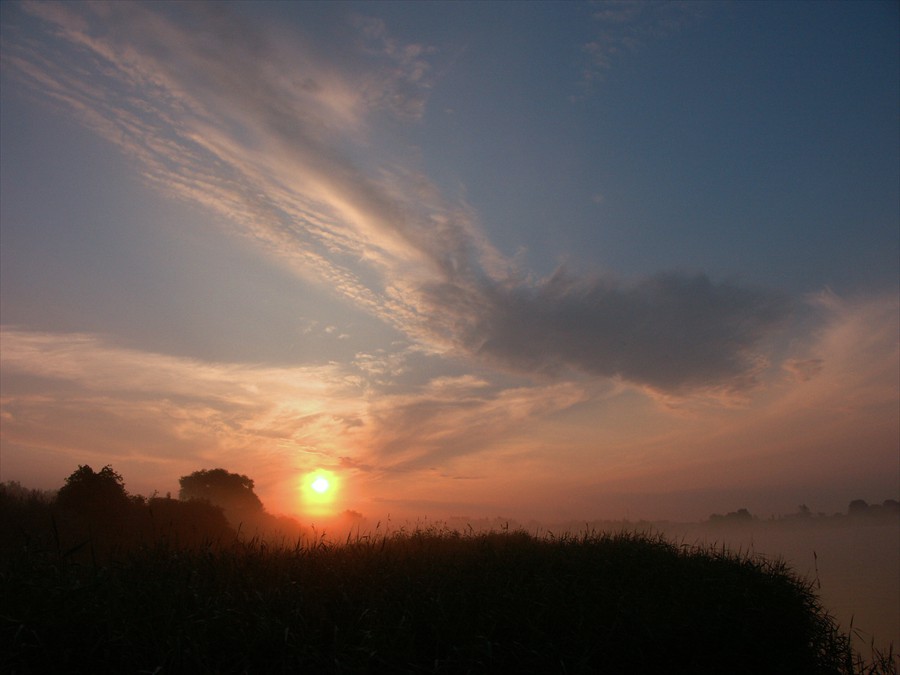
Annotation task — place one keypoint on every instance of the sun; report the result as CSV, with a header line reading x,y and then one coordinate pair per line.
x,y
319,490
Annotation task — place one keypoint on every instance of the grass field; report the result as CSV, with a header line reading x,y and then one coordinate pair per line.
x,y
425,601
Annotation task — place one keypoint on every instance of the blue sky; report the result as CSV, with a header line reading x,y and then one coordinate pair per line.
x,y
563,259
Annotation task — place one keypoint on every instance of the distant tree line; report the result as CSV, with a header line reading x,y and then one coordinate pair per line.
x,y
92,515
858,508
739,516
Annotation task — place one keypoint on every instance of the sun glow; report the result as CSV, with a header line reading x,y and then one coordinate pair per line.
x,y
318,491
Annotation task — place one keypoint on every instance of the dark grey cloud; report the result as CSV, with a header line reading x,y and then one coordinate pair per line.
x,y
673,332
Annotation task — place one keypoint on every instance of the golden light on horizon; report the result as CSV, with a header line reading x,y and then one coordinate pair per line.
x,y
318,491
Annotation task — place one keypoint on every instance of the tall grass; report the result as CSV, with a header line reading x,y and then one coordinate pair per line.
x,y
425,601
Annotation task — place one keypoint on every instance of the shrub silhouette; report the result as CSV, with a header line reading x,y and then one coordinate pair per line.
x,y
231,491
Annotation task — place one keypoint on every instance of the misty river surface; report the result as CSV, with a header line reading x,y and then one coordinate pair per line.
x,y
857,565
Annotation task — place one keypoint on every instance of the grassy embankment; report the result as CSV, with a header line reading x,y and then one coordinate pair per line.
x,y
419,602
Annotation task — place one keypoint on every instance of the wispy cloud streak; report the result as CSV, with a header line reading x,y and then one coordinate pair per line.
x,y
53,379
83,389
279,137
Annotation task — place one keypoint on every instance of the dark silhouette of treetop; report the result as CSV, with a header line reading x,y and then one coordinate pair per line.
x,y
93,494
860,508
739,516
231,491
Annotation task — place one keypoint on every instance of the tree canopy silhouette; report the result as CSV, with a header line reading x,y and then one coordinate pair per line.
x,y
94,493
232,491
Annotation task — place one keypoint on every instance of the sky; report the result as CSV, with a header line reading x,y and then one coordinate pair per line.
x,y
527,260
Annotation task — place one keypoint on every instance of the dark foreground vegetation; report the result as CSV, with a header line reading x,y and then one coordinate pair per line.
x,y
164,586
422,602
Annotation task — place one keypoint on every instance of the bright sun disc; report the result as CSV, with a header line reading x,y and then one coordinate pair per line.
x,y
319,491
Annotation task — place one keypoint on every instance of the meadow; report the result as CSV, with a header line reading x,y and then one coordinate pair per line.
x,y
416,601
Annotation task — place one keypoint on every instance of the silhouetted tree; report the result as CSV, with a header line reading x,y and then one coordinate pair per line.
x,y
94,515
96,495
858,507
232,491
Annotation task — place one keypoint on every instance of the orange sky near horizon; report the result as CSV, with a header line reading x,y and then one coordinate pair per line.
x,y
556,451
